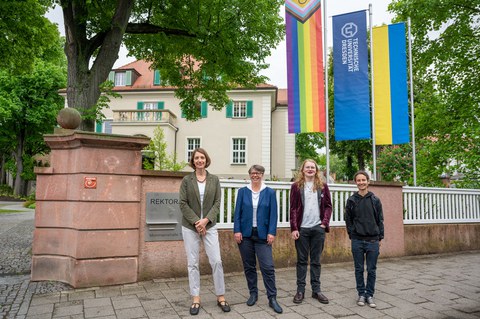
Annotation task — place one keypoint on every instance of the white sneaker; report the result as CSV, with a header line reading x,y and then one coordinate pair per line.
x,y
370,302
361,301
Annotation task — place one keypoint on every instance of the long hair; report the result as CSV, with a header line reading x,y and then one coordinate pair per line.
x,y
317,180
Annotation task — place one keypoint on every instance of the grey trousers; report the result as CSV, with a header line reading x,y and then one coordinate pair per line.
x,y
192,241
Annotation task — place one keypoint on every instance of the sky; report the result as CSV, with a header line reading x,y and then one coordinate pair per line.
x,y
277,72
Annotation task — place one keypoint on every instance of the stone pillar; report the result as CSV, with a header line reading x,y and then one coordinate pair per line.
x,y
88,210
390,194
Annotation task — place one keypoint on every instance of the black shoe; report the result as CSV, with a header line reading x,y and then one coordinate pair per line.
x,y
320,297
252,300
194,308
223,305
274,305
298,298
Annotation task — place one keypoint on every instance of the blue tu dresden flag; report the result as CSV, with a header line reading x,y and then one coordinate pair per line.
x,y
350,77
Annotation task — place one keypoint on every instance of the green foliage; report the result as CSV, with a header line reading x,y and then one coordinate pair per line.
x,y
203,48
6,190
26,34
308,145
394,163
446,47
216,45
29,103
157,157
340,169
96,112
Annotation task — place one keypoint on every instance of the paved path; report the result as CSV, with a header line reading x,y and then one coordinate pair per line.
x,y
16,235
436,286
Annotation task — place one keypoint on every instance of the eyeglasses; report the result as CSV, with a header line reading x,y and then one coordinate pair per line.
x,y
256,173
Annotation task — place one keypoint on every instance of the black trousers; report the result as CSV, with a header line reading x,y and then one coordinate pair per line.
x,y
309,244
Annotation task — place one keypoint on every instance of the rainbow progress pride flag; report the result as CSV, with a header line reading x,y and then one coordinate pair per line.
x,y
390,85
306,102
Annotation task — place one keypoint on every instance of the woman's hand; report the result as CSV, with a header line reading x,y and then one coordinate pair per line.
x,y
238,237
270,239
295,234
201,226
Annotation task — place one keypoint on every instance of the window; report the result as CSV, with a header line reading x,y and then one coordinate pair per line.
x,y
104,127
239,150
192,144
120,78
240,109
203,110
150,116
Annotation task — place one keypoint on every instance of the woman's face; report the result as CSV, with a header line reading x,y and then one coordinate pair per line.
x,y
199,160
255,176
309,169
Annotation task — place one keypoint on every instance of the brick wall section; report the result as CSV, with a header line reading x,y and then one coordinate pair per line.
x,y
88,236
96,237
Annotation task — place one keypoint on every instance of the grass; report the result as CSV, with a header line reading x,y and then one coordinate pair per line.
x,y
9,211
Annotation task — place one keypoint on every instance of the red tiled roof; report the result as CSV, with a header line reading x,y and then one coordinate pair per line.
x,y
282,97
145,78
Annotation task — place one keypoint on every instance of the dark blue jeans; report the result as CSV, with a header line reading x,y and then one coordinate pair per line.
x,y
310,243
251,248
365,250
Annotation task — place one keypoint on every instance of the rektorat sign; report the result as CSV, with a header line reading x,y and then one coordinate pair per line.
x,y
163,217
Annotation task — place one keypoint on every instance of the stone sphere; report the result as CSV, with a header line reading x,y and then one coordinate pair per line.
x,y
69,118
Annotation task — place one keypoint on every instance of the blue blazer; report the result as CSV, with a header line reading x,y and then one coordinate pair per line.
x,y
266,213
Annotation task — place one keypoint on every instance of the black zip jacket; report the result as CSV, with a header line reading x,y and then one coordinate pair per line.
x,y
364,217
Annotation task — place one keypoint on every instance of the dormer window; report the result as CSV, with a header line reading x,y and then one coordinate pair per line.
x,y
120,78
123,77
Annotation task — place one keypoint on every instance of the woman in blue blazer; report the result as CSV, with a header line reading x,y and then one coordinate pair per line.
x,y
255,227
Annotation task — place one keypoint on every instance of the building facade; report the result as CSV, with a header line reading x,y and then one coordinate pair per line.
x,y
251,129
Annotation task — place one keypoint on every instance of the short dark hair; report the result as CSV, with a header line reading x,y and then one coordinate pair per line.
x,y
361,173
202,151
257,167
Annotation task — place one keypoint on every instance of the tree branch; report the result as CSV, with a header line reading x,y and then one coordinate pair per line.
x,y
147,28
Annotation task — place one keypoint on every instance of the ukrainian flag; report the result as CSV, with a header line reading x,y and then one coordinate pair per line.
x,y
390,85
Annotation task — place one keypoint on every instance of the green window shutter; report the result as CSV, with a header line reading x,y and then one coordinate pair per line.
x,y
249,108
156,77
229,109
160,106
128,77
203,109
111,76
98,127
139,107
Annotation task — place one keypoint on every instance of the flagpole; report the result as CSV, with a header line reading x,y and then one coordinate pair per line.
x,y
411,103
374,151
325,64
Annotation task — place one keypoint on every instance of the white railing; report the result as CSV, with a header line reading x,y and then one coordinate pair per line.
x,y
339,193
423,205
134,116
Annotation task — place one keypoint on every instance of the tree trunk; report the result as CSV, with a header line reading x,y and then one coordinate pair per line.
x,y
18,188
3,172
361,160
83,85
